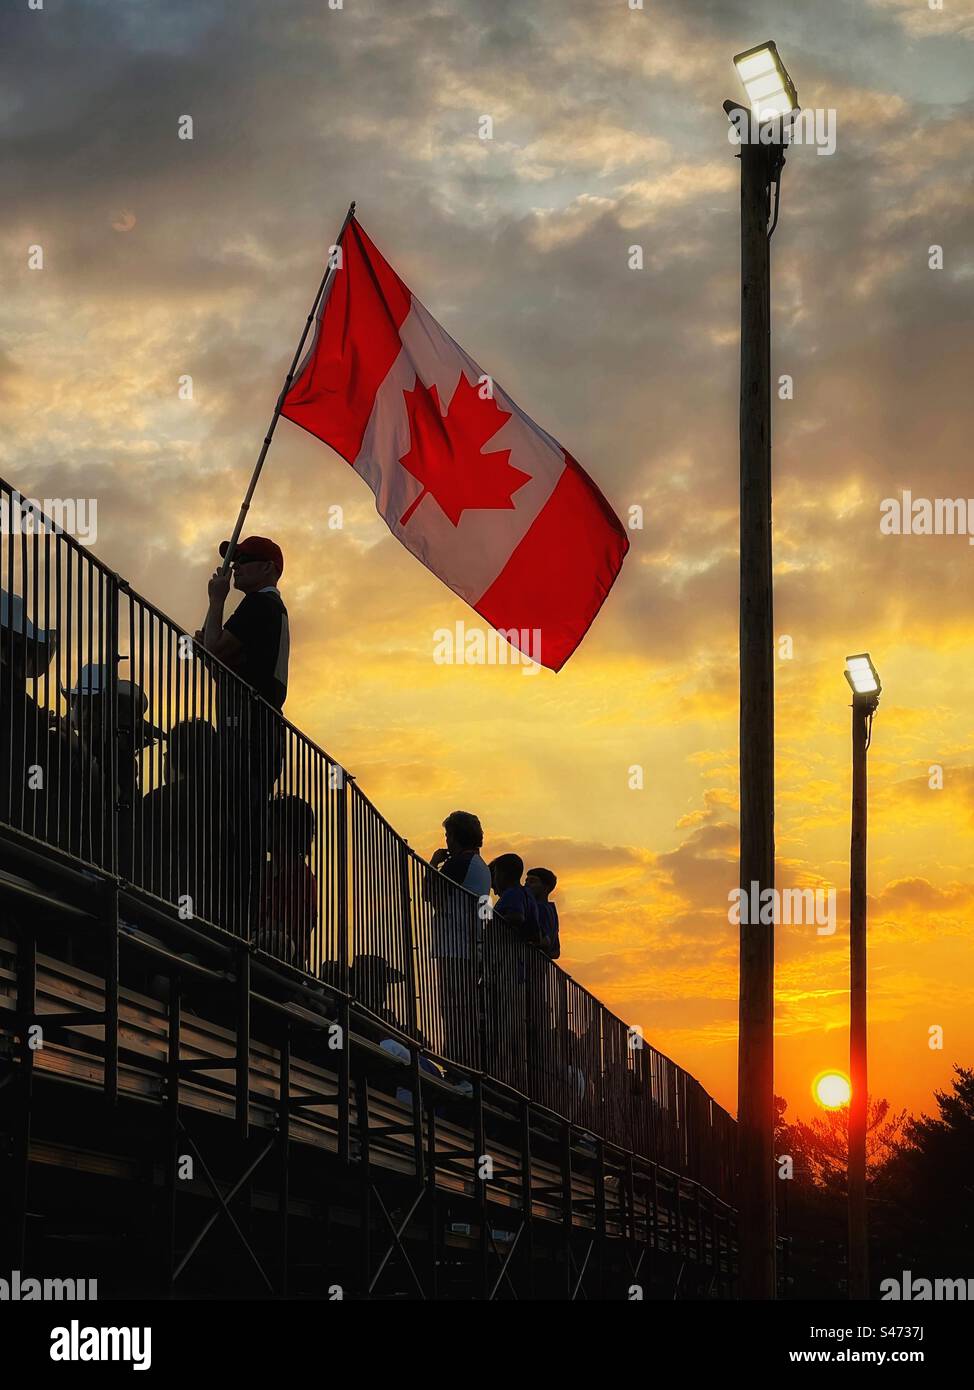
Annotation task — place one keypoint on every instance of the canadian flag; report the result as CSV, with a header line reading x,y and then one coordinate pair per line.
x,y
485,498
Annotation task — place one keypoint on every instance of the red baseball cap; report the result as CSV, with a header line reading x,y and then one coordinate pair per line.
x,y
255,548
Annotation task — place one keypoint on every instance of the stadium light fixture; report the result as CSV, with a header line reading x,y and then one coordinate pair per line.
x,y
770,90
862,675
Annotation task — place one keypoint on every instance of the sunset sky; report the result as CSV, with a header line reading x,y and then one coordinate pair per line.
x,y
165,257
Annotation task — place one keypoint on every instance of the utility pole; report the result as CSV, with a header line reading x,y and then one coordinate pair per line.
x,y
760,166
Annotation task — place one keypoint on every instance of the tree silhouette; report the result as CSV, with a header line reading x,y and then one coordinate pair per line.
x,y
790,1141
920,1176
811,1218
824,1142
931,1179
819,1148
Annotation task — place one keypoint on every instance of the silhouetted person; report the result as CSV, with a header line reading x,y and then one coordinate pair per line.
x,y
540,883
254,642
27,733
584,1068
368,982
399,1050
290,898
461,860
177,830
514,904
454,927
94,799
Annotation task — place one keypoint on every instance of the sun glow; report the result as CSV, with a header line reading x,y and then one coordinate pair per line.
x,y
831,1090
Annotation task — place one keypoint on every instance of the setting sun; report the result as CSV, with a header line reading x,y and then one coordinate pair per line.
x,y
831,1090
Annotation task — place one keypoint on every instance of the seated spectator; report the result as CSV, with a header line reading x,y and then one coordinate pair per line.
x,y
584,1068
90,719
175,844
368,982
89,732
402,1053
27,736
289,914
514,904
540,883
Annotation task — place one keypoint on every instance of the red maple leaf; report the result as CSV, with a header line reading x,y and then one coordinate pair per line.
x,y
445,452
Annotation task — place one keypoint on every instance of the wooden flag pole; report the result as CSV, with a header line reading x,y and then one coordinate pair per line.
x,y
322,288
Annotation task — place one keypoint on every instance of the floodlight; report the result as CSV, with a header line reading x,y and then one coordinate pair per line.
x,y
862,675
770,90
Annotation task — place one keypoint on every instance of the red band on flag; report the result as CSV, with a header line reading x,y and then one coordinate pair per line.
x,y
356,342
563,569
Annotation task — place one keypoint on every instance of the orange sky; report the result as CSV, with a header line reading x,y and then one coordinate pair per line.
x,y
166,257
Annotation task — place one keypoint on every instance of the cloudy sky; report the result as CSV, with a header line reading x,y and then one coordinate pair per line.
x,y
165,257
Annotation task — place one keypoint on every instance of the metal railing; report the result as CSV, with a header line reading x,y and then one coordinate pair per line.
x,y
127,746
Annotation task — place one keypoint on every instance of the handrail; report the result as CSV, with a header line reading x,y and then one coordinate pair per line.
x,y
194,791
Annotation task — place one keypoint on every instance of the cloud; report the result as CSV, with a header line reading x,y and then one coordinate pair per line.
x,y
944,17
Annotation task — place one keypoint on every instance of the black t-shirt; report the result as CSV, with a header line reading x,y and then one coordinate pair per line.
x,y
455,868
260,624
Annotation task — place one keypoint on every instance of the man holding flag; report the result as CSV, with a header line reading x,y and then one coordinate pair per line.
x,y
255,642
478,492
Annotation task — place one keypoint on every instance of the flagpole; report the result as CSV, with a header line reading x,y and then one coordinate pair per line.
x,y
245,505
